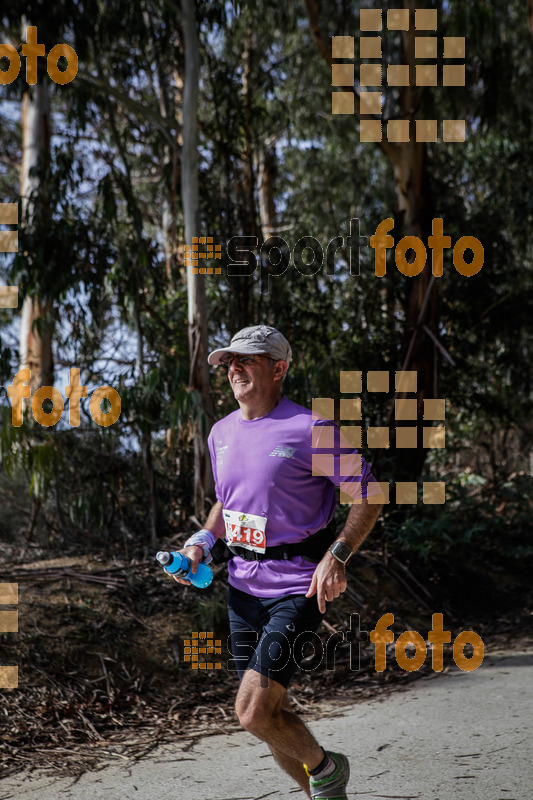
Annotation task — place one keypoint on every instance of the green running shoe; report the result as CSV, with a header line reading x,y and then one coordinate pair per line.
x,y
334,786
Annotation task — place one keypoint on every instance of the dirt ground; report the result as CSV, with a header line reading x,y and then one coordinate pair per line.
x,y
102,675
446,736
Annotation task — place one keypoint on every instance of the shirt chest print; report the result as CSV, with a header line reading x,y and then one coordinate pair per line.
x,y
283,451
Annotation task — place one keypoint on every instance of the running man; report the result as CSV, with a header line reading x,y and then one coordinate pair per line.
x,y
275,506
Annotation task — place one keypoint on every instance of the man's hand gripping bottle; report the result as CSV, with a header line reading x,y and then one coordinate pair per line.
x,y
177,564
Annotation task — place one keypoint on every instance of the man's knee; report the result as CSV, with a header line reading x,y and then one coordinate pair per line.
x,y
253,718
256,706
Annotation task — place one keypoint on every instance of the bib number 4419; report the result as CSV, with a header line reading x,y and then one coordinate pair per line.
x,y
246,535
246,530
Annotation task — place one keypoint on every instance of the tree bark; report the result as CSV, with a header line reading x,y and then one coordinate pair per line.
x,y
170,155
197,303
247,189
267,205
414,214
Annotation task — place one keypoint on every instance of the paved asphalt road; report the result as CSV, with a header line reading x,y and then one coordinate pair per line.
x,y
457,736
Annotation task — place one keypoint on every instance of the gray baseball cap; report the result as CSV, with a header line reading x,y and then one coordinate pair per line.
x,y
257,340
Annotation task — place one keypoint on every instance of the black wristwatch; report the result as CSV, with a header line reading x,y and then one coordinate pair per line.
x,y
341,552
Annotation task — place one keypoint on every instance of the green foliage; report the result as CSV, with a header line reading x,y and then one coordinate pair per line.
x,y
479,524
98,250
22,448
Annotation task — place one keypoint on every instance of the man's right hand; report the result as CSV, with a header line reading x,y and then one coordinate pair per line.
x,y
195,554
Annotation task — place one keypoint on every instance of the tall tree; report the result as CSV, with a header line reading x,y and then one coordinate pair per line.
x,y
414,212
197,303
36,319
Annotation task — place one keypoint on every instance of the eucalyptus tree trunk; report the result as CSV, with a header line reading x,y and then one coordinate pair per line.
x,y
246,190
35,336
170,161
197,304
414,214
267,205
35,346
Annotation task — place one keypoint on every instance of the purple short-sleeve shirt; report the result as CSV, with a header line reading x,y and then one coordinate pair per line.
x,y
265,467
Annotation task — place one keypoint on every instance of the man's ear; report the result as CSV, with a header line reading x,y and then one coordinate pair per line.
x,y
280,369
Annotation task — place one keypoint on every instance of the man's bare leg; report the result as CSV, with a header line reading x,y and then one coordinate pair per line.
x,y
264,711
290,765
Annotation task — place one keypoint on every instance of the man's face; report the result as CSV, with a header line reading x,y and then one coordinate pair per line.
x,y
252,378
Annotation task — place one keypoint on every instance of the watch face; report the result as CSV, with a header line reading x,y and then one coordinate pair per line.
x,y
341,552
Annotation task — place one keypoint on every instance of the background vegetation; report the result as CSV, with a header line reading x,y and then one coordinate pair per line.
x,y
106,169
101,257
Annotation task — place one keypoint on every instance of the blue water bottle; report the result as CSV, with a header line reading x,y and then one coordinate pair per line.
x,y
177,564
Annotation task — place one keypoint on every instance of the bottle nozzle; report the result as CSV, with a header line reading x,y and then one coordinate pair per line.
x,y
164,558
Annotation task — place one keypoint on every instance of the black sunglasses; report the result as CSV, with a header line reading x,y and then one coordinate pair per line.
x,y
227,361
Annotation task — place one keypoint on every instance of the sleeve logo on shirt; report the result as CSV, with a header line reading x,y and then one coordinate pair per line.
x,y
220,450
283,451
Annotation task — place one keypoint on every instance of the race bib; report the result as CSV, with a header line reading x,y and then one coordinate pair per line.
x,y
246,530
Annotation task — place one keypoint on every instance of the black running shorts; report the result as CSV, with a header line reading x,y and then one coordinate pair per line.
x,y
272,636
